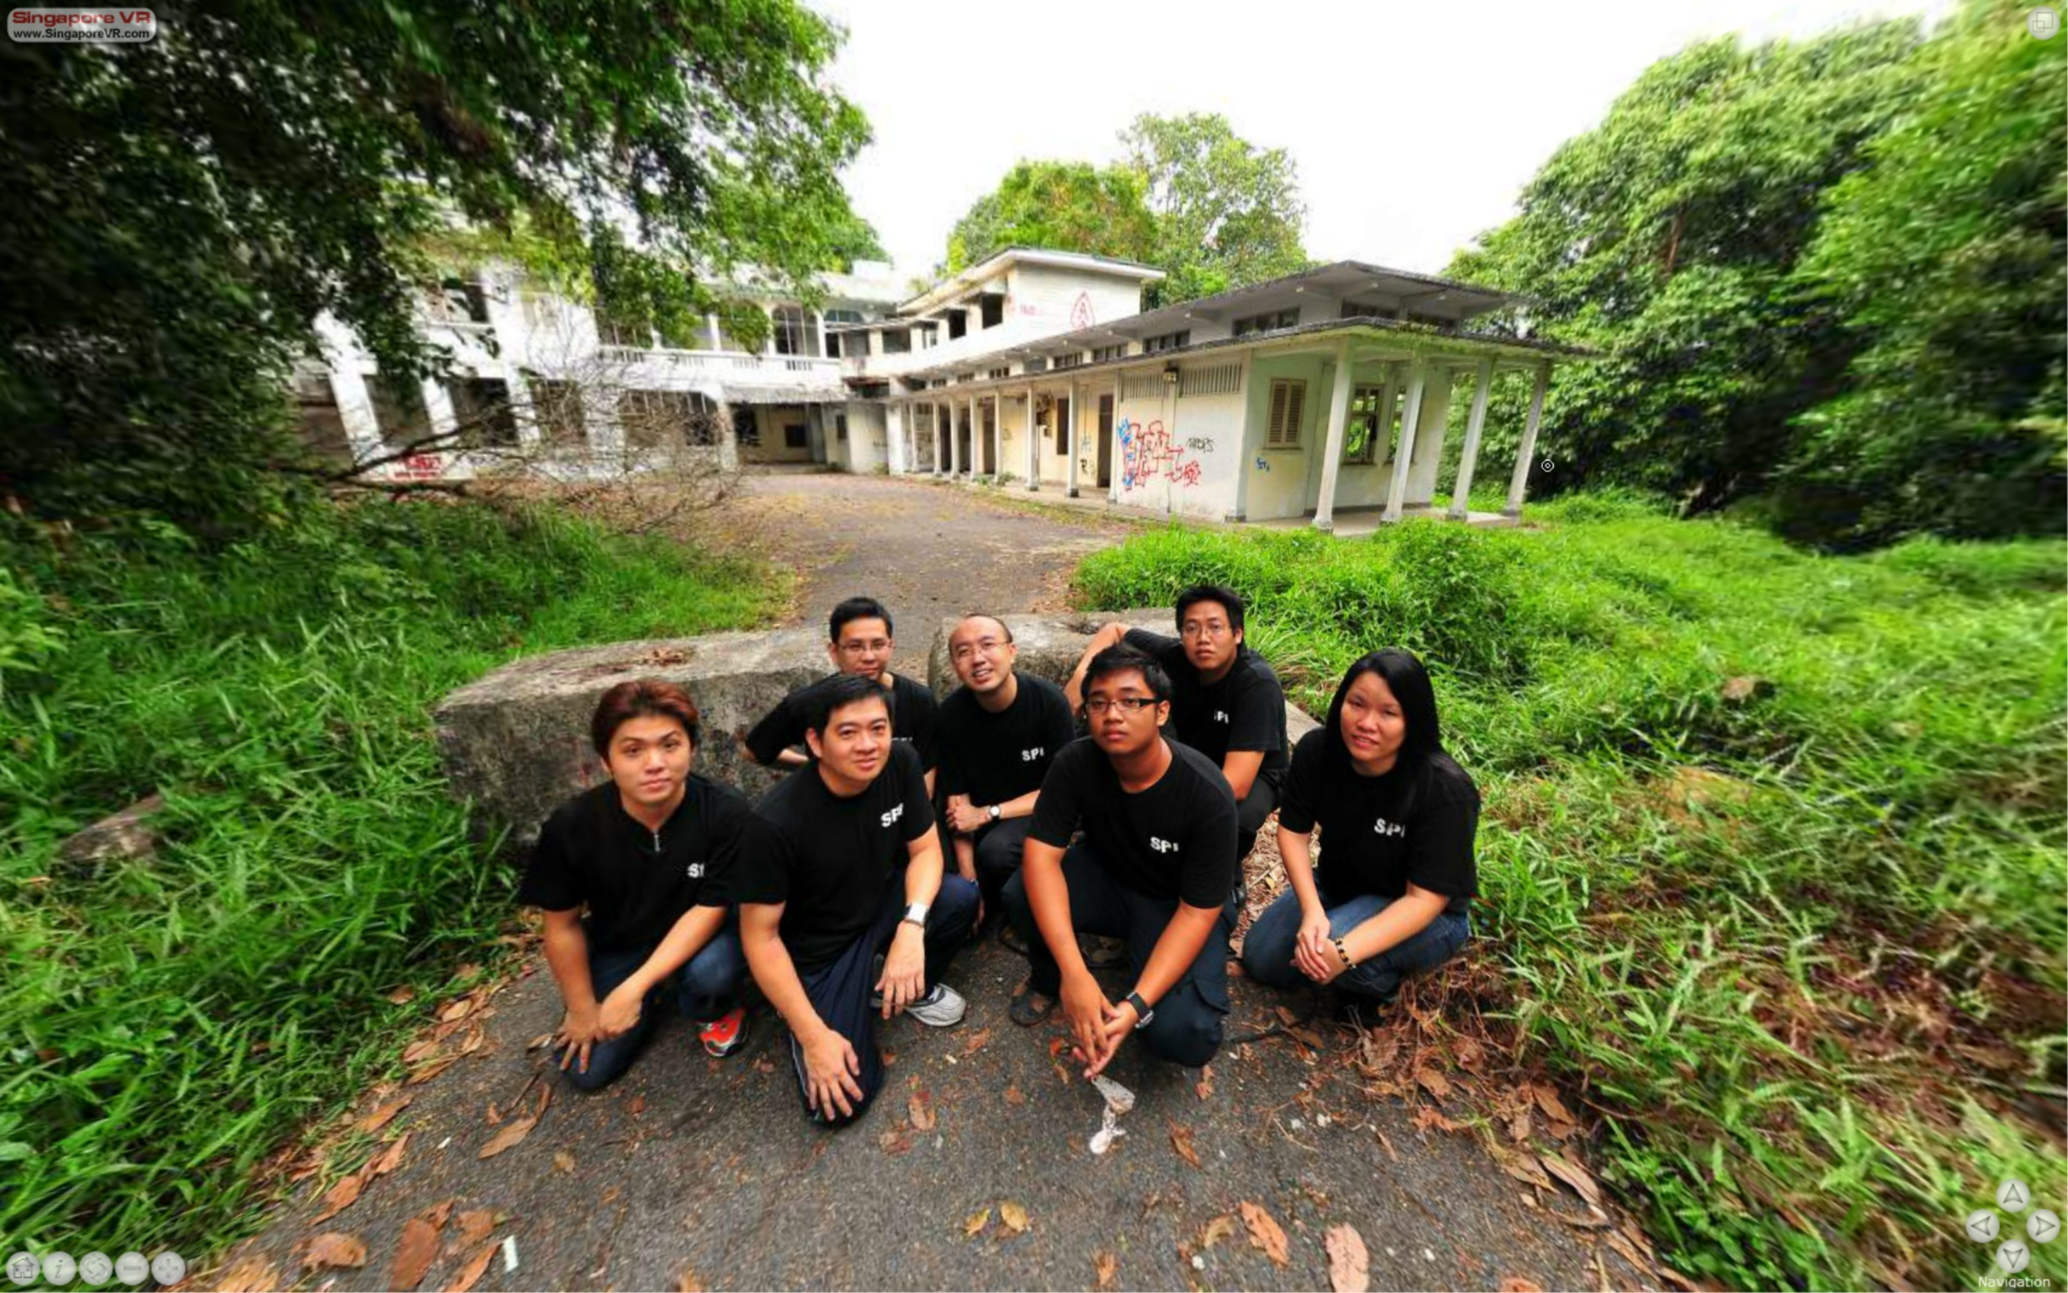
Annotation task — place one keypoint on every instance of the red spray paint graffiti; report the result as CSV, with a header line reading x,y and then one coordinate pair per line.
x,y
1146,453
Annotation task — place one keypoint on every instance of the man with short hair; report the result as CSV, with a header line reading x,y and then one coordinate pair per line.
x,y
846,862
860,645
634,878
1156,868
1225,701
997,735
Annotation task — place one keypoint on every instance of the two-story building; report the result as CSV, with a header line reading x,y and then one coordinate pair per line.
x,y
1286,400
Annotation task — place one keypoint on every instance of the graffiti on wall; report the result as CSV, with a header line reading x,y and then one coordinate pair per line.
x,y
1147,454
1081,313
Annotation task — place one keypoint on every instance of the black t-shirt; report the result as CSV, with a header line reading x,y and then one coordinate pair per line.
x,y
1379,833
995,757
830,858
912,718
637,882
1174,840
1245,710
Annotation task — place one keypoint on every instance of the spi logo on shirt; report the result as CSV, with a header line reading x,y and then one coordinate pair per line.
x,y
696,870
1220,716
892,816
1384,827
1028,756
1162,846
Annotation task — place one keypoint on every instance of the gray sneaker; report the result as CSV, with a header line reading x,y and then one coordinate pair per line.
x,y
941,1008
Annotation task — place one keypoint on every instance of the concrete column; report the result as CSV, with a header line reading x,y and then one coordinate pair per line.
x,y
1034,447
1459,496
728,440
1518,484
894,438
1338,426
820,315
976,430
768,344
942,419
712,333
1076,418
438,405
1382,425
355,409
815,433
1396,489
954,445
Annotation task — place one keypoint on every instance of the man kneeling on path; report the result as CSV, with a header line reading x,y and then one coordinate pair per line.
x,y
861,645
1225,701
846,862
1156,867
997,733
651,854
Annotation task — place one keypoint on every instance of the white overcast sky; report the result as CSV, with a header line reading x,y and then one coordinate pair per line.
x,y
1414,125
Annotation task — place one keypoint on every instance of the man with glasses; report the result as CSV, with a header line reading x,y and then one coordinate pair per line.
x,y
997,735
1156,868
1225,702
861,644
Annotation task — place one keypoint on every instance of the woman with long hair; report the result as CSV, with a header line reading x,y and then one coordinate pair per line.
x,y
1397,816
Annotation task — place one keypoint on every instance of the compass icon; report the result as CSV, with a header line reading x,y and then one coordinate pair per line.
x,y
95,1268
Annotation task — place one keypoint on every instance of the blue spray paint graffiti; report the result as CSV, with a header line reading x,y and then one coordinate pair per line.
x,y
1263,463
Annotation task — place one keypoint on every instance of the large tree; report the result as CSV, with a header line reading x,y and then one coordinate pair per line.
x,y
1228,213
1068,206
200,200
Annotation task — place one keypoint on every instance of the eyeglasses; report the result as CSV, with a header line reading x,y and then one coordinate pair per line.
x,y
1127,704
1215,630
985,645
861,648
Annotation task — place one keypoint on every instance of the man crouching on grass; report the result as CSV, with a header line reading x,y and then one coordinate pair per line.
x,y
650,855
846,862
1156,867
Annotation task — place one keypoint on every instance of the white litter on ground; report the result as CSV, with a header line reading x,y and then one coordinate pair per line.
x,y
1118,1101
509,1253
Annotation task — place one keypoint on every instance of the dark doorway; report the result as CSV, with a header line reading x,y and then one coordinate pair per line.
x,y
1105,441
1062,419
990,464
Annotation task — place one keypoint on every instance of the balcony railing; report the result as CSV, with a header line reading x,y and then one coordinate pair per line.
x,y
718,361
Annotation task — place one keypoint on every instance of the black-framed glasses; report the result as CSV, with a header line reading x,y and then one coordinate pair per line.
x,y
1127,704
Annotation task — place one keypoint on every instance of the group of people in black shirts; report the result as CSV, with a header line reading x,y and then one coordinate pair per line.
x,y
845,891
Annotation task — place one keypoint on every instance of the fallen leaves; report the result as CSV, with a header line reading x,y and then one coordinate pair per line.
x,y
1013,1094
1107,1267
1216,1230
976,1041
253,1274
921,1110
413,1255
1517,1284
1205,1085
563,1160
1349,1265
474,1226
457,1009
974,1226
341,1196
472,1272
403,995
392,1157
334,1249
514,1131
1014,1216
419,1076
384,1115
894,1142
687,1281
1264,1233
1433,1082
1181,1141
1574,1175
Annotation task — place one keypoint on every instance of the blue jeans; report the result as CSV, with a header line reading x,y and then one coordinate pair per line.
x,y
1267,949
705,988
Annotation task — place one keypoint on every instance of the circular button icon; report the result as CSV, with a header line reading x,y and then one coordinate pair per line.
x,y
23,1268
1982,1225
2012,1196
95,1268
131,1268
2013,1256
2043,1226
168,1267
59,1268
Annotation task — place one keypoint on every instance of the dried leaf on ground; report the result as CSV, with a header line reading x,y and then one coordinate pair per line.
x,y
1205,1086
1264,1233
1517,1284
384,1115
413,1255
1469,1053
334,1249
1013,1094
419,1076
976,1041
1523,1168
403,995
1181,1141
418,1051
1287,1017
457,1010
1548,1101
894,1142
1428,1115
637,1106
1627,1251
921,1109
472,1227
687,1282
1433,1082
1519,1129
253,1274
1014,1216
341,1196
512,1134
1349,1265
974,1226
563,1160
392,1159
1216,1230
471,1273
1107,1266
1055,1046
543,1039
1574,1175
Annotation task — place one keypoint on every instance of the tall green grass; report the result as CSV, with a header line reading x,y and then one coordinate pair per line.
x,y
168,1022
1803,939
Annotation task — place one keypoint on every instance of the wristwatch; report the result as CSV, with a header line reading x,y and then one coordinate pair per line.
x,y
1143,1014
993,811
915,914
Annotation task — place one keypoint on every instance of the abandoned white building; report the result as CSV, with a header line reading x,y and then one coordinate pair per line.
x,y
1324,391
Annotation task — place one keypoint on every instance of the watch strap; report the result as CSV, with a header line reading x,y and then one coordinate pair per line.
x,y
1144,1012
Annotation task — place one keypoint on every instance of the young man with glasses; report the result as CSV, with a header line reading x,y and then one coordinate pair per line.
x,y
846,863
861,645
1225,701
997,735
1156,868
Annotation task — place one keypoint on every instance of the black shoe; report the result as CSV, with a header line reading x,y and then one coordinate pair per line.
x,y
1030,1008
1009,939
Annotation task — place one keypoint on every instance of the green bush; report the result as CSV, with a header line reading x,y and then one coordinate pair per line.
x,y
1772,855
171,1019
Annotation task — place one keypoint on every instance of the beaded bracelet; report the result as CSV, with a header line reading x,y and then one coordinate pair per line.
x,y
1344,952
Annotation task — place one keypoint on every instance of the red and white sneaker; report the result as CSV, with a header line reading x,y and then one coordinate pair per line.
x,y
725,1034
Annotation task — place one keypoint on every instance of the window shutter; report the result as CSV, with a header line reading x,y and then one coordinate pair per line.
x,y
1288,400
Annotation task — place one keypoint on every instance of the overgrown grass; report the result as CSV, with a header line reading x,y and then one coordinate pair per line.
x,y
167,1023
1800,938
